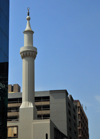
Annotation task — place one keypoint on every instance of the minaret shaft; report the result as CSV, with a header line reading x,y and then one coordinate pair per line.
x,y
28,81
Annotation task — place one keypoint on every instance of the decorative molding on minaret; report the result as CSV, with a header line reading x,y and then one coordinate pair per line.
x,y
28,54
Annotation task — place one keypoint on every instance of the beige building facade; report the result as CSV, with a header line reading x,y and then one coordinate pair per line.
x,y
83,131
13,88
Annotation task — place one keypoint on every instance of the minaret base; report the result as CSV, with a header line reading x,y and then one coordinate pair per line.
x,y
26,116
26,104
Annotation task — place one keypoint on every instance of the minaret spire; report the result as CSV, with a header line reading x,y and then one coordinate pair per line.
x,y
28,27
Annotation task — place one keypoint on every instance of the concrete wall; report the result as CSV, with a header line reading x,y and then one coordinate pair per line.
x,y
58,109
41,128
55,133
61,112
52,126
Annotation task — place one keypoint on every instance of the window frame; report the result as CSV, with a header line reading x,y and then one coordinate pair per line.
x,y
13,127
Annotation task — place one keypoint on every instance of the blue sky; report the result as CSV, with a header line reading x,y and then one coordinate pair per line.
x,y
67,37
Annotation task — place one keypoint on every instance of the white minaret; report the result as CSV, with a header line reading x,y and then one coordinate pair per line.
x,y
28,54
27,110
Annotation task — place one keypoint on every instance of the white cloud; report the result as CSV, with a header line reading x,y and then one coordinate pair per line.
x,y
97,98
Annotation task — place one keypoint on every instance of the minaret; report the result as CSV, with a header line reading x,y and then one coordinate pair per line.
x,y
27,112
28,54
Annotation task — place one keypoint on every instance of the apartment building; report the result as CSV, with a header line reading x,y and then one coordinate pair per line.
x,y
83,132
13,88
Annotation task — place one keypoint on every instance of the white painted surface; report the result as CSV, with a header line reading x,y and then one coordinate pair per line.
x,y
25,124
28,82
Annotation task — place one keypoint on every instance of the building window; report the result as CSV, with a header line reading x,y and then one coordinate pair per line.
x,y
69,120
79,124
70,129
37,99
43,116
15,100
12,132
13,118
41,99
68,104
79,117
69,112
46,116
39,116
78,109
75,133
79,131
38,108
46,107
74,109
45,98
43,107
74,117
74,124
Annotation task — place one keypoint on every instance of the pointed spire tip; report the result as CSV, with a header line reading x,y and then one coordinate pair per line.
x,y
28,11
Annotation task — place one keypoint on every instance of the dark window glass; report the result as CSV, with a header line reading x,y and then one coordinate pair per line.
x,y
46,116
39,116
46,107
4,47
38,108
37,99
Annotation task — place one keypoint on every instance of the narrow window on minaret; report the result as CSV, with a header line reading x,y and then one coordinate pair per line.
x,y
46,136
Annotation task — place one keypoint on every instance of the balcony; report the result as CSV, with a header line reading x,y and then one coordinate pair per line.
x,y
42,103
43,112
10,114
14,104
